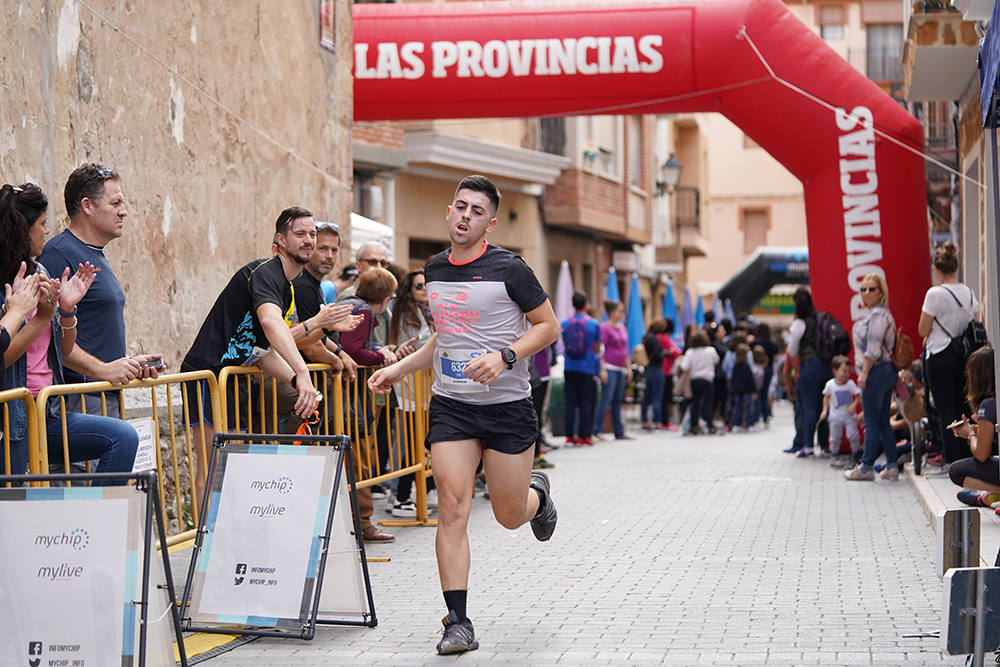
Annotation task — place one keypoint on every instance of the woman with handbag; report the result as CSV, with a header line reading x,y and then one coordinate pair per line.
x,y
874,335
949,307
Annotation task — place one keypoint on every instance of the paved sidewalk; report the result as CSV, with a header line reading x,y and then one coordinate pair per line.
x,y
711,550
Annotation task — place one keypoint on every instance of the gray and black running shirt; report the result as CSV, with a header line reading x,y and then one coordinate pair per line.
x,y
479,307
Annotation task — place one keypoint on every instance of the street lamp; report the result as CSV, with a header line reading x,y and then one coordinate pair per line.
x,y
670,175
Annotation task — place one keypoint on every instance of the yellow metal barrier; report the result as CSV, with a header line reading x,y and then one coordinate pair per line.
x,y
20,394
176,475
348,408
402,422
262,400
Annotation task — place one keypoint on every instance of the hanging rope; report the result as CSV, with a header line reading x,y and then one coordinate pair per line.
x,y
742,35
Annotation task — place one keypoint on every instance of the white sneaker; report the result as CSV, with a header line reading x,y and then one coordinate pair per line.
x,y
859,474
405,510
432,499
890,473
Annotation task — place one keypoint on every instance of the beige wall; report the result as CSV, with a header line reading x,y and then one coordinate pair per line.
x,y
737,176
204,173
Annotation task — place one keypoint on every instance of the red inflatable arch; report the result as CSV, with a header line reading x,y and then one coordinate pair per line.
x,y
864,194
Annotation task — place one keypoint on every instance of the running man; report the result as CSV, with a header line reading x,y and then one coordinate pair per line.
x,y
480,295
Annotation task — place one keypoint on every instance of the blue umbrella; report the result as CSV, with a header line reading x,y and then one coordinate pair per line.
x,y
564,299
670,311
611,293
729,311
687,310
699,313
612,289
635,322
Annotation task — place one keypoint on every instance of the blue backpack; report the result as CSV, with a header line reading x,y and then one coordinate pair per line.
x,y
575,337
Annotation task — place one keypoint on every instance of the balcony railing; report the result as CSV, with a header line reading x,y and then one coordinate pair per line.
x,y
928,6
687,207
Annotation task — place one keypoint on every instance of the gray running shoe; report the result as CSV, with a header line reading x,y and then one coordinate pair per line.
x,y
544,524
459,636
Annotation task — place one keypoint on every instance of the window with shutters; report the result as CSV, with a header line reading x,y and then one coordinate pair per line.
x,y
754,222
884,51
831,21
635,151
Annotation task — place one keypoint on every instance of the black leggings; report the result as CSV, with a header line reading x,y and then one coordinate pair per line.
x,y
986,471
702,402
945,373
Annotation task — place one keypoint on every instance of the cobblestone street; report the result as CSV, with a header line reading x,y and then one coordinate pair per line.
x,y
711,550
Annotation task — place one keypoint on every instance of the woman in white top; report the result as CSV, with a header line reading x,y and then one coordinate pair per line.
x,y
948,308
699,360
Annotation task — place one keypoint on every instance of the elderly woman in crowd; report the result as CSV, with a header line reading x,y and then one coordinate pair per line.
x,y
874,335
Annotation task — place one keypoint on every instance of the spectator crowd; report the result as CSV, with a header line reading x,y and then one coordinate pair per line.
x,y
858,395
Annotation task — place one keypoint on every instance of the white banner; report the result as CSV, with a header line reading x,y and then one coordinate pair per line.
x,y
343,591
145,454
64,571
257,560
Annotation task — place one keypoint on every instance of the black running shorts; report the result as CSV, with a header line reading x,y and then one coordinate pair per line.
x,y
510,428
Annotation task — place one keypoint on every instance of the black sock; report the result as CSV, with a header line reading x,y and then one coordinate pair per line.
x,y
543,499
455,601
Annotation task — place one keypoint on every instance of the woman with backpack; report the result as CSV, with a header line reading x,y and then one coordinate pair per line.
x,y
874,337
811,372
949,307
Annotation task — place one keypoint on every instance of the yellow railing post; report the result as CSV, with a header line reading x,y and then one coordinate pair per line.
x,y
31,430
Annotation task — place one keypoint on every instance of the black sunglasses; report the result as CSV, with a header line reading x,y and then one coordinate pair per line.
x,y
102,173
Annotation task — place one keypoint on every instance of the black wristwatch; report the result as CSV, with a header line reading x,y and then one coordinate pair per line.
x,y
509,357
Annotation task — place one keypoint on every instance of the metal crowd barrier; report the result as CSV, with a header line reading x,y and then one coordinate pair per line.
x,y
175,489
390,431
262,405
348,407
253,402
20,394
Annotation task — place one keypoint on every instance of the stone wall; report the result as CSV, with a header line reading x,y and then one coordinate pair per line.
x,y
216,114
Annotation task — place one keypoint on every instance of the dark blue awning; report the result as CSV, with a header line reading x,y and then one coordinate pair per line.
x,y
765,268
989,64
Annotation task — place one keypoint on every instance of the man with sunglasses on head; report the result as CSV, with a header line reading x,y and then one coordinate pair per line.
x,y
96,209
309,300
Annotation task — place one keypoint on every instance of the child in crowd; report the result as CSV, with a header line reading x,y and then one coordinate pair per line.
x,y
840,402
700,360
979,473
742,389
762,384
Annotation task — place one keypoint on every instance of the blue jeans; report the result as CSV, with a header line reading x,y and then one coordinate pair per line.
x,y
813,376
653,394
110,440
578,401
875,400
612,395
742,411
